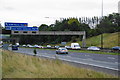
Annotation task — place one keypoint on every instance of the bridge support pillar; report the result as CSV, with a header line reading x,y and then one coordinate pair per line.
x,y
84,40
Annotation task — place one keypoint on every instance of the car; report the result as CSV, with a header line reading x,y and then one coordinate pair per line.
x,y
48,46
62,51
14,47
10,45
36,46
18,44
40,46
30,46
116,48
23,45
94,48
68,47
57,47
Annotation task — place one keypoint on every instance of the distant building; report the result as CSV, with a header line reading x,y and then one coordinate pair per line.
x,y
119,7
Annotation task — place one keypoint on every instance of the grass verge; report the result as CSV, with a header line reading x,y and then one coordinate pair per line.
x,y
94,52
109,40
16,65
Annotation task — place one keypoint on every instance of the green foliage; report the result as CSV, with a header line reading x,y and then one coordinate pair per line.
x,y
43,27
72,20
108,24
109,40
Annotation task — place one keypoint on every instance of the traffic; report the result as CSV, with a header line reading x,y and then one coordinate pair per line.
x,y
73,46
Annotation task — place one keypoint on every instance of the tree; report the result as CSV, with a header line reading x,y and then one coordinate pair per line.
x,y
110,24
43,27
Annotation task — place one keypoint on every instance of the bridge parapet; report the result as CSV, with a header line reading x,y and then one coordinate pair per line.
x,y
48,32
52,33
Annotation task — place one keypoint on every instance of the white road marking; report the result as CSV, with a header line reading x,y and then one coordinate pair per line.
x,y
89,59
116,62
89,64
80,62
87,55
111,58
68,56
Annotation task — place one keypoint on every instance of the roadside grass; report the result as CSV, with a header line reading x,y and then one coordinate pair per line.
x,y
109,40
94,52
16,65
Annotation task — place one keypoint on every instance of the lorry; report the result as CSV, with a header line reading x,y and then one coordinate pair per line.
x,y
75,46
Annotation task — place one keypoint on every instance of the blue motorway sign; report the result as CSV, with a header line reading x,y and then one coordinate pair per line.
x,y
8,28
24,28
10,24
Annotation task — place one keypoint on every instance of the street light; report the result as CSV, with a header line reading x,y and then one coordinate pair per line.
x,y
101,31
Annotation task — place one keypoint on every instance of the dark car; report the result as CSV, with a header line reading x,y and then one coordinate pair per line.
x,y
116,48
14,47
62,51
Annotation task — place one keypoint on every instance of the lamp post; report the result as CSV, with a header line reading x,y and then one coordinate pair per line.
x,y
101,31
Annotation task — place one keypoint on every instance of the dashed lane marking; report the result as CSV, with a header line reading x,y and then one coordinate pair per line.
x,y
111,58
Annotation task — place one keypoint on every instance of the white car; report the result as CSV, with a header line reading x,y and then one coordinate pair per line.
x,y
48,46
30,46
10,45
23,45
68,47
62,51
57,47
36,46
40,46
94,48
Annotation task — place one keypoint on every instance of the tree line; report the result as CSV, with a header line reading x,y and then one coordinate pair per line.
x,y
93,27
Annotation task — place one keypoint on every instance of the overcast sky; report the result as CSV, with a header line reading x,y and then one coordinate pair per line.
x,y
37,12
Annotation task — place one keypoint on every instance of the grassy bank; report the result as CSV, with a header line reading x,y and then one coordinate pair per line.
x,y
16,65
94,52
109,40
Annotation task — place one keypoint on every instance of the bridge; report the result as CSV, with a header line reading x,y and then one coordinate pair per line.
x,y
48,33
52,33
83,33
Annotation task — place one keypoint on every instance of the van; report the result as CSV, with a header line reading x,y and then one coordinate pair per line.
x,y
75,46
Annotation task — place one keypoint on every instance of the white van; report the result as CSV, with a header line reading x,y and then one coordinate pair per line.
x,y
17,44
75,46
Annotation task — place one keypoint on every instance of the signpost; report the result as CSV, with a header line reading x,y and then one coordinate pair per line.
x,y
63,43
9,25
24,28
19,27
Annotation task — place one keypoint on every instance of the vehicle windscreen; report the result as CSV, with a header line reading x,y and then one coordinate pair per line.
x,y
77,46
63,49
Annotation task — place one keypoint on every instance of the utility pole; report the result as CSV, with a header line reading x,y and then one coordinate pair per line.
x,y
101,31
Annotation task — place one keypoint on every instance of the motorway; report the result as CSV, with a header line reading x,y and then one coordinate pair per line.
x,y
98,60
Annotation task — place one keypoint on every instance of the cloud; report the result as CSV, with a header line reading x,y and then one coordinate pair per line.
x,y
35,11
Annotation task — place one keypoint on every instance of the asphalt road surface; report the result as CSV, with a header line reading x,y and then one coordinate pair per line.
x,y
98,60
